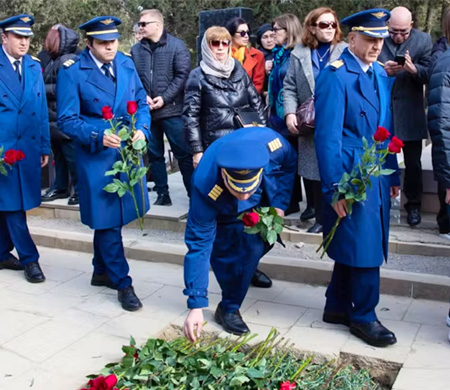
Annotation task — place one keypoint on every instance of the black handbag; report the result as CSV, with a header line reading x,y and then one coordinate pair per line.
x,y
305,118
246,117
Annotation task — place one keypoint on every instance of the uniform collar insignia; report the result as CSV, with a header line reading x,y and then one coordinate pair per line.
x,y
107,22
26,19
379,15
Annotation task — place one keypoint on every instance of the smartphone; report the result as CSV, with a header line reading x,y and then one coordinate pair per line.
x,y
400,59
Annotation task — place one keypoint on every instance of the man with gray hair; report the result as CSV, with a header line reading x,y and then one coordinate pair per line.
x,y
407,54
163,63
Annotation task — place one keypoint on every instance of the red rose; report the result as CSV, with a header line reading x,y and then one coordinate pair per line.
x,y
381,134
103,383
10,157
132,107
287,385
19,155
250,219
107,113
396,145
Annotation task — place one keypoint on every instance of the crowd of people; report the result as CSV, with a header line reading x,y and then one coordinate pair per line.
x,y
233,125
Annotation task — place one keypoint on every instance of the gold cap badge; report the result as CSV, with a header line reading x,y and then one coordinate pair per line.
x,y
379,15
26,19
107,22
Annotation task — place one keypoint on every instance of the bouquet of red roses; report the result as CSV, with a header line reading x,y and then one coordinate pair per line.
x,y
9,158
353,186
264,221
131,157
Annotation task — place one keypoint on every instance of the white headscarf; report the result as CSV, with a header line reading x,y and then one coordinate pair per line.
x,y
210,65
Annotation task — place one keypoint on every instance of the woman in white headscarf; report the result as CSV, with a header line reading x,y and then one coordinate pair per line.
x,y
214,92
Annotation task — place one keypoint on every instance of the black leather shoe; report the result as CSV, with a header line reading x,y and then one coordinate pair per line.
x,y
309,213
332,317
163,200
101,280
413,218
54,194
260,279
232,322
33,273
316,228
373,333
128,299
12,262
74,200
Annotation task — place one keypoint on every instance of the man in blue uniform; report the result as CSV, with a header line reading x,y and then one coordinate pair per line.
x,y
102,76
24,126
352,98
246,169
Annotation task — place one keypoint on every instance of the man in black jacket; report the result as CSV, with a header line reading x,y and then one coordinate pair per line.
x,y
407,54
163,63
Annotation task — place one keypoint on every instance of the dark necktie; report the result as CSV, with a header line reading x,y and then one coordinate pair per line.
x,y
107,70
371,75
17,69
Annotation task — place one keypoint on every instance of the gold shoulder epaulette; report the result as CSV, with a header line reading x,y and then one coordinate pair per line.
x,y
35,58
215,192
68,63
274,145
380,63
337,64
127,54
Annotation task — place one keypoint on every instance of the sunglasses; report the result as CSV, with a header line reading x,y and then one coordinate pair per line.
x,y
402,33
325,25
218,43
143,24
243,33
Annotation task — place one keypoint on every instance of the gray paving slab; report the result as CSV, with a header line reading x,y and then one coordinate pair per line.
x,y
53,336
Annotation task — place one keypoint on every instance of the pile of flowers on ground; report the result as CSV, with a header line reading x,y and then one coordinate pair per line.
x,y
224,364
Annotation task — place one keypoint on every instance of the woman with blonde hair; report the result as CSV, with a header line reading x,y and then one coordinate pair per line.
x,y
321,45
214,92
288,31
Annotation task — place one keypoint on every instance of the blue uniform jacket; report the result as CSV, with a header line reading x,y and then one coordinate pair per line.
x,y
346,111
211,204
82,91
23,126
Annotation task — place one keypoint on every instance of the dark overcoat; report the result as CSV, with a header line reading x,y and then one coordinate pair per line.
x,y
408,103
23,126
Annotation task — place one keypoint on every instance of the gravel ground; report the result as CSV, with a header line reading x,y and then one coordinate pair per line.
x,y
409,263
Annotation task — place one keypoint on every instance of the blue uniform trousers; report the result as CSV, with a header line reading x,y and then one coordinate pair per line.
x,y
14,233
355,291
234,260
109,257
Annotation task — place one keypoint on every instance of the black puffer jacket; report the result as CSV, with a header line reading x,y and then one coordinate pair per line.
x,y
438,118
51,65
211,102
163,69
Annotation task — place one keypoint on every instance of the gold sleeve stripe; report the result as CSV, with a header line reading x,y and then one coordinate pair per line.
x,y
275,145
215,192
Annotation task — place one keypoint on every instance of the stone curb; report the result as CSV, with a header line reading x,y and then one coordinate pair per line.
x,y
407,284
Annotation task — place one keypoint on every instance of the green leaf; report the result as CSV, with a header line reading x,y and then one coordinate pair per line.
x,y
254,373
111,173
264,210
121,192
278,228
267,220
278,219
123,134
239,380
3,170
108,132
141,172
387,171
139,144
349,195
272,237
252,230
127,361
112,187
335,197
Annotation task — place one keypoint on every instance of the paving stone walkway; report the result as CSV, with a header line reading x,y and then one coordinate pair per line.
x,y
54,334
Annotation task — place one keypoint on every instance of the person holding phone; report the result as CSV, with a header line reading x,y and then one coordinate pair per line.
x,y
406,55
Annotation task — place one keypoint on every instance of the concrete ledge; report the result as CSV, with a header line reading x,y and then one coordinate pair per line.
x,y
408,284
